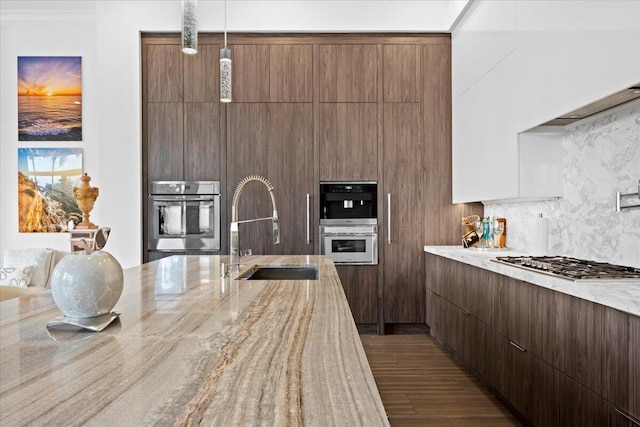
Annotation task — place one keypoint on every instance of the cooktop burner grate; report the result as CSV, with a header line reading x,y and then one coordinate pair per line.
x,y
572,268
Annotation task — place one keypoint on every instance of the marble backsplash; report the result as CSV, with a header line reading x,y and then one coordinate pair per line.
x,y
601,155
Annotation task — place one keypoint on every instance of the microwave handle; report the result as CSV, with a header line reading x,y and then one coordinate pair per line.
x,y
388,218
308,218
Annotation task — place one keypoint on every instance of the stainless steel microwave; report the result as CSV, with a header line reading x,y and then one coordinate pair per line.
x,y
350,244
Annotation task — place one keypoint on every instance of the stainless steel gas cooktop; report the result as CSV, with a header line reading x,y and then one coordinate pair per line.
x,y
573,268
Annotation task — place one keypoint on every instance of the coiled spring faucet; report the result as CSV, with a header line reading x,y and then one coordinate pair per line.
x,y
234,262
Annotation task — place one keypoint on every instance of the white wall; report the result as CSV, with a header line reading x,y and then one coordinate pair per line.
x,y
71,33
107,36
601,155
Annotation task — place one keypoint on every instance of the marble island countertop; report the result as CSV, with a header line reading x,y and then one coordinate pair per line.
x,y
190,349
623,296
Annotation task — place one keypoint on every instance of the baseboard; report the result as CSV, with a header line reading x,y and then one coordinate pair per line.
x,y
406,328
367,328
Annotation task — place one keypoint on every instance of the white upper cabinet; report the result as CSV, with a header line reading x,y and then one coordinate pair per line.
x,y
540,154
486,35
518,64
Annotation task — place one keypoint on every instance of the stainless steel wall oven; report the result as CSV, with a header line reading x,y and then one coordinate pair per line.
x,y
349,222
184,215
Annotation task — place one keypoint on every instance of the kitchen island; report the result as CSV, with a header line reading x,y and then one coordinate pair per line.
x,y
191,348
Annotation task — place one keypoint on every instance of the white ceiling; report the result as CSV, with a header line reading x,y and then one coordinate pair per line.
x,y
287,15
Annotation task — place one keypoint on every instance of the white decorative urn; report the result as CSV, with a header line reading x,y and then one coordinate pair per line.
x,y
87,285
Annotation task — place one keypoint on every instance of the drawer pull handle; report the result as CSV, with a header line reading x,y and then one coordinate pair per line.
x,y
466,313
628,416
522,349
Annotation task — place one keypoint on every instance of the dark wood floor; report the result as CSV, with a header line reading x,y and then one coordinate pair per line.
x,y
421,385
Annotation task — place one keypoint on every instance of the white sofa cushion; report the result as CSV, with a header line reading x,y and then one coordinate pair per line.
x,y
19,277
41,259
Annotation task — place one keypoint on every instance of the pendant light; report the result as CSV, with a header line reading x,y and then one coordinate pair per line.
x,y
190,26
225,65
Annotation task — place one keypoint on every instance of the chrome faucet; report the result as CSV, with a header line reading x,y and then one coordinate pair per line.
x,y
234,262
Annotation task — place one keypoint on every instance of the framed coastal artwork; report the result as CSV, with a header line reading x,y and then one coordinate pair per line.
x,y
46,177
50,98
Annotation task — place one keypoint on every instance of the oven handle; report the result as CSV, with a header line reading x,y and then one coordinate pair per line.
x,y
184,199
388,218
323,235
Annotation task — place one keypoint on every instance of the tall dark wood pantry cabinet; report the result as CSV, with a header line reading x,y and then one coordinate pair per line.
x,y
308,108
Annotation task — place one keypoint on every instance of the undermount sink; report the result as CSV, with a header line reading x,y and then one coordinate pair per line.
x,y
281,272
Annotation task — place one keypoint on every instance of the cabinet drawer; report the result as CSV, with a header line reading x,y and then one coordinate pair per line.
x,y
618,367
577,405
634,366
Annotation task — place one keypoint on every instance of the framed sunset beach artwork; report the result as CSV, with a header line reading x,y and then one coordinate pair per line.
x,y
46,177
49,98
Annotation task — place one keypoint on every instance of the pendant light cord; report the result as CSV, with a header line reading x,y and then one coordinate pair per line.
x,y
225,23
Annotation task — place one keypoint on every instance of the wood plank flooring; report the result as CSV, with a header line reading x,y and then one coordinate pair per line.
x,y
421,385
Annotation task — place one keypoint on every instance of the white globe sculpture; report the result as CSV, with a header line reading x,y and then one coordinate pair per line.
x,y
85,285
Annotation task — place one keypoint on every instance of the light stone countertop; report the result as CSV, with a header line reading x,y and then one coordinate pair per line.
x,y
193,349
623,296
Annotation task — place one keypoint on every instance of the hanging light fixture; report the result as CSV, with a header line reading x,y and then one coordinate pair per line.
x,y
190,26
225,65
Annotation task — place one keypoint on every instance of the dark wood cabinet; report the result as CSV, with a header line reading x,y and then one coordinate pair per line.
x,y
291,73
250,73
618,418
183,141
264,72
518,389
634,366
181,116
165,159
616,366
164,73
402,73
348,73
518,299
290,169
247,155
389,105
182,135
559,360
542,408
278,146
201,74
432,311
495,360
202,141
360,284
577,340
577,405
404,200
348,141
306,108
